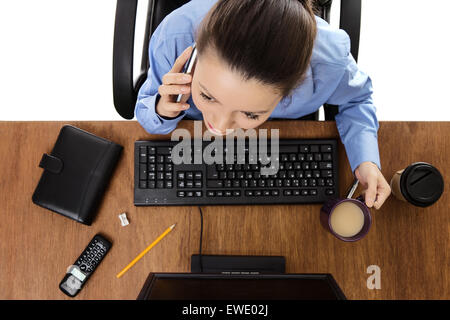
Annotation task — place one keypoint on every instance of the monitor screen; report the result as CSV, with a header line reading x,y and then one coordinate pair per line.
x,y
178,286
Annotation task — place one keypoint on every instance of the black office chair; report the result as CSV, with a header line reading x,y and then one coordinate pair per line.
x,y
125,89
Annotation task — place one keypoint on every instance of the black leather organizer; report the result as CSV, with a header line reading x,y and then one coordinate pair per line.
x,y
76,174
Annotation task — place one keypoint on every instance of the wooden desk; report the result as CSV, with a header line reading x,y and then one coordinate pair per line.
x,y
409,244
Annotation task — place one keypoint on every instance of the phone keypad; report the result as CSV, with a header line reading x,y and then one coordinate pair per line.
x,y
92,256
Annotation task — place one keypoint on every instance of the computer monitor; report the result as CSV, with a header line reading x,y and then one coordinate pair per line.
x,y
243,286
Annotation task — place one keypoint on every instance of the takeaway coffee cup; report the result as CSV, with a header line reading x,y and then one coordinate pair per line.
x,y
420,184
347,219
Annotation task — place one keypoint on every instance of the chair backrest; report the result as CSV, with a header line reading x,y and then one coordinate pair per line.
x,y
125,89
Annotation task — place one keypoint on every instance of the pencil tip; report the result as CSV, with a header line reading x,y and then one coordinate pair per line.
x,y
173,226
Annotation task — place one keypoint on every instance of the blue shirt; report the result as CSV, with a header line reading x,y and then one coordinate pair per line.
x,y
332,77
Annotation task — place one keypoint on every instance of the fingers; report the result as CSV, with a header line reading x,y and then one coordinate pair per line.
x,y
383,192
173,109
166,90
181,60
176,78
371,191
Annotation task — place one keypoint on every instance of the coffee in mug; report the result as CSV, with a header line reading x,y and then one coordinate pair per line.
x,y
420,184
347,219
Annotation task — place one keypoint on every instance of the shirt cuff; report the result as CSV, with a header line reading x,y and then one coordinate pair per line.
x,y
151,121
363,147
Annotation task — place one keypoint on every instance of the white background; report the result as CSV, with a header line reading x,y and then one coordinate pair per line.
x,y
56,58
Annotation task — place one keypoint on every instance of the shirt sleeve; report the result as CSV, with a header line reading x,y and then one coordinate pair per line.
x,y
356,121
162,55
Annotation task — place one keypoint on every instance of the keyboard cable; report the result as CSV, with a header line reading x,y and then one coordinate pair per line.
x,y
201,239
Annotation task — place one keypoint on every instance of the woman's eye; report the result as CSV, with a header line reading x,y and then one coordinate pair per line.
x,y
205,97
251,116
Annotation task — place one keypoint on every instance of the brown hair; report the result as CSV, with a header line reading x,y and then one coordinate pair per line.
x,y
267,40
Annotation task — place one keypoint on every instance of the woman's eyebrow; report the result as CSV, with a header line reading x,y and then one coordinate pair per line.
x,y
210,95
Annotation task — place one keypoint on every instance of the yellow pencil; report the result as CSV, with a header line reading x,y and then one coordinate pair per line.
x,y
145,251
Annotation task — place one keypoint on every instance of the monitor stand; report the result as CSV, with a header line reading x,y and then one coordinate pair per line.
x,y
237,264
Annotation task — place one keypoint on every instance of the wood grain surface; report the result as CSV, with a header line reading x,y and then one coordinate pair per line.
x,y
409,244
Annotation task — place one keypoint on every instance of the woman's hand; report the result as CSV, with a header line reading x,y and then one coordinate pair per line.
x,y
173,83
377,190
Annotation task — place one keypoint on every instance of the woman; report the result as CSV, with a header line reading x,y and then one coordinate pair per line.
x,y
256,60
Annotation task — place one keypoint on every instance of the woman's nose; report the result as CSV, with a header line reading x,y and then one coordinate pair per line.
x,y
223,122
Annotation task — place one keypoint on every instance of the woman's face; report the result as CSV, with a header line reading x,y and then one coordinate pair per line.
x,y
226,100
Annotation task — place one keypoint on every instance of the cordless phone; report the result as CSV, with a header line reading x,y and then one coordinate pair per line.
x,y
78,273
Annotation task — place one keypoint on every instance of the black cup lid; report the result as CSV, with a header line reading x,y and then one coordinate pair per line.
x,y
421,184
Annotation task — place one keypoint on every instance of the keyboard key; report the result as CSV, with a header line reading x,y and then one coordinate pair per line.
x,y
327,174
287,192
304,149
142,171
288,148
169,184
296,192
180,175
214,184
189,193
326,157
313,192
198,175
198,193
329,192
143,154
325,148
236,193
189,175
164,150
197,183
160,184
249,193
189,184
160,159
325,165
304,192
143,184
314,148
275,193
210,193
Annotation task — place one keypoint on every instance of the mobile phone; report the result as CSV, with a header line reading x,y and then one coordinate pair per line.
x,y
189,66
78,274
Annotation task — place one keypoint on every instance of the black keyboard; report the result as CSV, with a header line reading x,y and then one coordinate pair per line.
x,y
308,173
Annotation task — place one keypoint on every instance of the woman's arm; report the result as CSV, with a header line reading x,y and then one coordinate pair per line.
x,y
358,126
162,55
